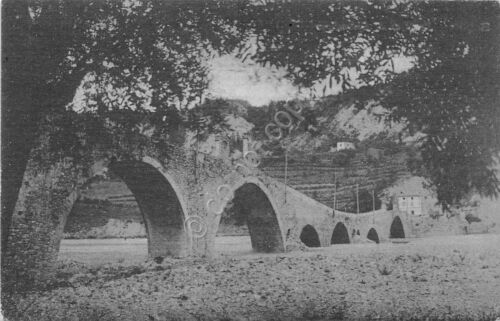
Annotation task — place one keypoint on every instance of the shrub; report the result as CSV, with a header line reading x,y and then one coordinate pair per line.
x,y
470,218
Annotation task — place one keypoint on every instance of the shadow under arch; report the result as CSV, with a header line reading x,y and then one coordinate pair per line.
x,y
397,231
309,236
340,234
373,235
160,206
253,204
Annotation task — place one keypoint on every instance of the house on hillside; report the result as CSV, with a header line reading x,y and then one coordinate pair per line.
x,y
345,146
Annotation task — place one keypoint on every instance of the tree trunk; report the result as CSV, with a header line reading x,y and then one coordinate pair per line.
x,y
31,57
19,115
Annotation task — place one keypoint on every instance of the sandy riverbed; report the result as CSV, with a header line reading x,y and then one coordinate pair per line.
x,y
96,252
441,278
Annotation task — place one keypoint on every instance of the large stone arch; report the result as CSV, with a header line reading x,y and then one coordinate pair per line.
x,y
161,205
50,190
340,235
309,236
397,229
263,225
261,214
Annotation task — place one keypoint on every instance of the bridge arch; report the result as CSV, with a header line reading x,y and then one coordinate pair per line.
x,y
373,235
397,229
261,215
161,205
340,235
309,236
47,206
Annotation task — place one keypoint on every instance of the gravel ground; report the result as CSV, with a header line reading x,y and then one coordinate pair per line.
x,y
441,278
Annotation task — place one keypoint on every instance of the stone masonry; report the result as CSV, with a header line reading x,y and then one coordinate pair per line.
x,y
181,196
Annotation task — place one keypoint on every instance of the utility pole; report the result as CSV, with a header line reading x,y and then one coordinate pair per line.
x,y
335,192
373,206
196,154
373,200
357,198
286,170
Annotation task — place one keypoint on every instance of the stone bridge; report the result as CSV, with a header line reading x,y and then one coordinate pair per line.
x,y
181,195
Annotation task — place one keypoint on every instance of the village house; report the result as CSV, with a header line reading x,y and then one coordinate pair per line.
x,y
345,146
411,204
410,195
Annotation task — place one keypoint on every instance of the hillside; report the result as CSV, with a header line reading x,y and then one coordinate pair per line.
x,y
325,180
313,162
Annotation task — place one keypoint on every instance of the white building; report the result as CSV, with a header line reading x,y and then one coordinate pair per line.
x,y
345,145
411,204
412,195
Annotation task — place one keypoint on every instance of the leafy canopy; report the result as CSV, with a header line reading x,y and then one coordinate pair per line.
x,y
150,56
451,93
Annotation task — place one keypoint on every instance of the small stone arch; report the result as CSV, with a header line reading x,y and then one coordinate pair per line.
x,y
261,217
309,236
373,235
397,230
340,235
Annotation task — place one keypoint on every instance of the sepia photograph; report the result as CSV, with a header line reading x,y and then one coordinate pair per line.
x,y
250,160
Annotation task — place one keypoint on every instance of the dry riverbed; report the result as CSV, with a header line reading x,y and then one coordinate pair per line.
x,y
442,278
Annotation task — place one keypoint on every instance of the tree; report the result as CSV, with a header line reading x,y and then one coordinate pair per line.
x,y
139,51
148,55
451,94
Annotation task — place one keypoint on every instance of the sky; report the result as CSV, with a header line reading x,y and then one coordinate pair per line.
x,y
230,78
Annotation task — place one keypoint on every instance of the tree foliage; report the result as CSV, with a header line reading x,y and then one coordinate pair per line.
x,y
451,93
452,96
150,56
333,41
142,55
